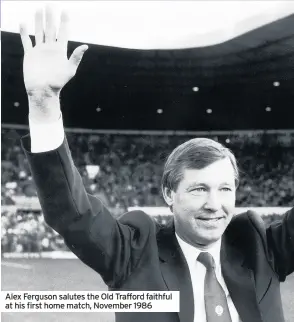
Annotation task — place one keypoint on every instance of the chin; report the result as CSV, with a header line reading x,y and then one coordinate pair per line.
x,y
207,242
209,237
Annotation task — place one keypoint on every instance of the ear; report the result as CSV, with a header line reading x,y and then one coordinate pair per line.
x,y
168,196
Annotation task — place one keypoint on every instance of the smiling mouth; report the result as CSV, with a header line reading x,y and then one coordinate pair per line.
x,y
210,219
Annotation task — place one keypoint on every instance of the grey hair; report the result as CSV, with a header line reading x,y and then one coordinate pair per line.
x,y
196,153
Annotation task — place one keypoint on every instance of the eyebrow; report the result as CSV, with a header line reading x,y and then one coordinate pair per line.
x,y
205,185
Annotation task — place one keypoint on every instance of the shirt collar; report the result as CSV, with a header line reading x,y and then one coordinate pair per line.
x,y
191,252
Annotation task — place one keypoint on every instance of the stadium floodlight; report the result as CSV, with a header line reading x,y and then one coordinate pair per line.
x,y
92,170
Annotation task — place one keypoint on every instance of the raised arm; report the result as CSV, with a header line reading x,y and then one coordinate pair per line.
x,y
280,237
113,248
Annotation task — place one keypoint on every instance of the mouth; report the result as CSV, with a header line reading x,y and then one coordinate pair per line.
x,y
209,220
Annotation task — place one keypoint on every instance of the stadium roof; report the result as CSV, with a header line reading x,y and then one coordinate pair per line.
x,y
243,83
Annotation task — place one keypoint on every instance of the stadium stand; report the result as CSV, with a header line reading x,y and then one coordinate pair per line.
x,y
126,172
129,167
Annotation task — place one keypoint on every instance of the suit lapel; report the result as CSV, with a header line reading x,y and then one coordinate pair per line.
x,y
239,280
176,274
238,277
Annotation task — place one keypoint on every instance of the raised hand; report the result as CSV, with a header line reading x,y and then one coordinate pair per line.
x,y
45,66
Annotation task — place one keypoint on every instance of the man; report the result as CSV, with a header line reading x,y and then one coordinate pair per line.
x,y
227,268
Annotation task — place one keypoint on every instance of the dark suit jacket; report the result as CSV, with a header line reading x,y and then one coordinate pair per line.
x,y
134,253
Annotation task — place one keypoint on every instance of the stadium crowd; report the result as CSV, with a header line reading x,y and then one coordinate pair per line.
x,y
125,170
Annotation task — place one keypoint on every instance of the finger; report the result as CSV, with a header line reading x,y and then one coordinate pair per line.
x,y
77,55
50,31
63,29
39,31
25,38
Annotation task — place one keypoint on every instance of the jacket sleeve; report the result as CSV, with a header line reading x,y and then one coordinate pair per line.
x,y
110,247
280,240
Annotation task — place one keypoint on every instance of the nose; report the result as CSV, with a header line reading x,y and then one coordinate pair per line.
x,y
213,202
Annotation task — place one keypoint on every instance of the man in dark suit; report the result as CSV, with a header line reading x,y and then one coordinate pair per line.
x,y
226,267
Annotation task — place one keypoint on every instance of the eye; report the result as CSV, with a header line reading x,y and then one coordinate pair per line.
x,y
200,189
226,189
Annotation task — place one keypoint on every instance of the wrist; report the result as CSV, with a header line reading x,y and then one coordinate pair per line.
x,y
44,107
43,92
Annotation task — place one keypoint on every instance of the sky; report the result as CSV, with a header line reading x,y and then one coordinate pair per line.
x,y
151,24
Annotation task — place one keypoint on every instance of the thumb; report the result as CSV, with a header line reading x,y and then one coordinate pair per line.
x,y
77,55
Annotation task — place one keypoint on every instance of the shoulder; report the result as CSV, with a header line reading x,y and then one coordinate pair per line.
x,y
138,219
248,217
248,223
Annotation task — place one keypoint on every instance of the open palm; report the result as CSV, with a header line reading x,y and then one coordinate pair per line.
x,y
45,66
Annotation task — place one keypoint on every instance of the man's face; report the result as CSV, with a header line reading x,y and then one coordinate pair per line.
x,y
204,203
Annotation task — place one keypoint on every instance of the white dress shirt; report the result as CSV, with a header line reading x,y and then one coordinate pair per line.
x,y
198,271
47,137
